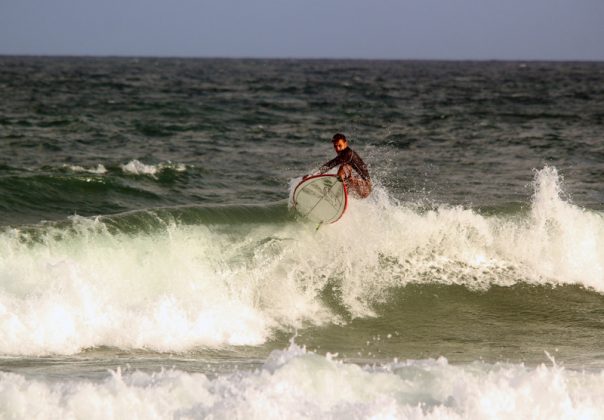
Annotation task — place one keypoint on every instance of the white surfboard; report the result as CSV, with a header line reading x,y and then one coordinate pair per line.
x,y
321,198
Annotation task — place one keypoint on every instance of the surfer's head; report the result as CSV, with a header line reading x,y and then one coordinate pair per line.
x,y
339,142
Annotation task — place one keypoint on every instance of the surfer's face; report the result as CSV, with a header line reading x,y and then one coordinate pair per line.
x,y
340,145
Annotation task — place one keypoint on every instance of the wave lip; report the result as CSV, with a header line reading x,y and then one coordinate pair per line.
x,y
295,383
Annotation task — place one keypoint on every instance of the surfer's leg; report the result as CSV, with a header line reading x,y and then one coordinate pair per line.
x,y
345,172
359,187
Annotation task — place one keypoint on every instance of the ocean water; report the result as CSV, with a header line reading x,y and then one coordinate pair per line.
x,y
150,266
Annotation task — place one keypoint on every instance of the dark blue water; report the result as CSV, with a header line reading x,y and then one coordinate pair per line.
x,y
242,128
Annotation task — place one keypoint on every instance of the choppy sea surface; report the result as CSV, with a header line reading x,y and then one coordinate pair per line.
x,y
150,266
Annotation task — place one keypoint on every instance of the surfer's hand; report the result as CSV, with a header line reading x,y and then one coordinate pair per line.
x,y
305,176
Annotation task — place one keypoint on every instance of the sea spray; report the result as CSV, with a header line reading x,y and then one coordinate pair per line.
x,y
560,242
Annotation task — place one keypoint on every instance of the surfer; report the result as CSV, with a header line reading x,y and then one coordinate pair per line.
x,y
352,171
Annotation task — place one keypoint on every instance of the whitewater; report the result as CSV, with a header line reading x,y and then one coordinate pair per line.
x,y
177,286
300,384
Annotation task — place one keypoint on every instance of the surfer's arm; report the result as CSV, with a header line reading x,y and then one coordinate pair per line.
x,y
338,160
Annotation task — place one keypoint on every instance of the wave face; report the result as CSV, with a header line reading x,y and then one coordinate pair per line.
x,y
301,384
178,279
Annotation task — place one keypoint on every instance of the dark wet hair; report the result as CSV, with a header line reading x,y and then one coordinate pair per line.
x,y
338,136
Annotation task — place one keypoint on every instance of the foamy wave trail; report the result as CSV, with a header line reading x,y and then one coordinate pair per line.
x,y
295,383
177,279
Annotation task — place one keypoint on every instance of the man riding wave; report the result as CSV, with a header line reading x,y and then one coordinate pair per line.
x,y
352,171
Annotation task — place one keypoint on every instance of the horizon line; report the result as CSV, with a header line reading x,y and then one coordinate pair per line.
x,y
301,58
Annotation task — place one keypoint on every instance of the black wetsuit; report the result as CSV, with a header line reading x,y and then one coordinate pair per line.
x,y
350,157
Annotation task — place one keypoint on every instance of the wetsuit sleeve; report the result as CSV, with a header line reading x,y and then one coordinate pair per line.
x,y
338,160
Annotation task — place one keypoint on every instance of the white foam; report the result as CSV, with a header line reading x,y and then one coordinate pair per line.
x,y
97,170
190,286
160,292
294,383
136,167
